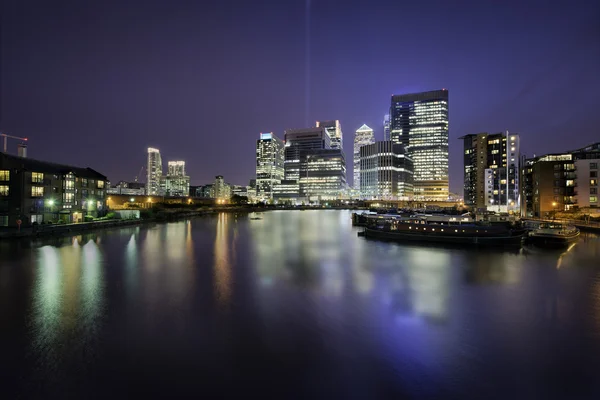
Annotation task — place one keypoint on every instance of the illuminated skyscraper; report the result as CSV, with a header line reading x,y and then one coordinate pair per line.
x,y
154,172
334,130
386,172
492,171
386,127
298,141
420,122
362,137
176,183
269,165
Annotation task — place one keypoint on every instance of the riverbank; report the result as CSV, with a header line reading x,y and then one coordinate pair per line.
x,y
157,216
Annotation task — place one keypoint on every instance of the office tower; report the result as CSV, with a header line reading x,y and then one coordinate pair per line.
x,y
560,182
386,127
319,170
298,141
154,172
325,174
269,165
334,130
492,171
386,172
362,137
420,122
176,183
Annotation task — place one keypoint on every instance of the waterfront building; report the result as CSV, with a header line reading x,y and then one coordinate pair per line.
x,y
492,170
220,190
363,136
386,172
334,130
386,127
287,191
324,175
419,121
33,191
269,165
176,183
297,143
204,191
561,182
154,172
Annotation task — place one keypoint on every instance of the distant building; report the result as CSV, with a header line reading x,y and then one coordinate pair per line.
x,y
297,143
154,172
33,191
334,130
419,121
363,136
386,172
269,165
325,175
288,191
204,191
127,188
386,127
220,189
492,171
176,183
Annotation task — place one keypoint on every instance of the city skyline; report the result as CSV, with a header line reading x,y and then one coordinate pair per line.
x,y
124,95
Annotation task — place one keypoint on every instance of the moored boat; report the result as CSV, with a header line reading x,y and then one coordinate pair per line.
x,y
419,229
553,234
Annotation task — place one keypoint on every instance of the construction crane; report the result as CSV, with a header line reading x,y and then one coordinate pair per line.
x,y
5,136
139,174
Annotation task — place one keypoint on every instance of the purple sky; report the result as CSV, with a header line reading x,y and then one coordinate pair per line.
x,y
96,85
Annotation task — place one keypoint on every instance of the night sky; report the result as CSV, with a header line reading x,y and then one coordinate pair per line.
x,y
96,85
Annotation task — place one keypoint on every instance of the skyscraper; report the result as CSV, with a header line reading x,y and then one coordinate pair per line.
x,y
176,183
386,127
269,165
362,137
334,130
298,141
420,122
492,171
386,172
154,172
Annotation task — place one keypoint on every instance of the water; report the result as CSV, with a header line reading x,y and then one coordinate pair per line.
x,y
294,306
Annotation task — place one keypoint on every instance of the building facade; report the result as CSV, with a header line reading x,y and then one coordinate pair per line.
x,y
363,136
492,171
419,121
386,172
220,189
334,130
176,183
297,143
561,182
323,175
154,172
127,188
386,127
33,191
269,165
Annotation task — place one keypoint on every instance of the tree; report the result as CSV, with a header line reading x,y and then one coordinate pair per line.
x,y
239,200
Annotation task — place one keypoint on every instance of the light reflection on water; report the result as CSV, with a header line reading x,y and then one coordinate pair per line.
x,y
298,288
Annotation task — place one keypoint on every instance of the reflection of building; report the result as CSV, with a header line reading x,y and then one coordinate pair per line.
x,y
420,122
492,171
154,172
176,183
557,182
34,191
362,137
269,165
386,172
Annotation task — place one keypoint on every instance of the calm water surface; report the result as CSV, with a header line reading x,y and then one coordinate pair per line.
x,y
294,306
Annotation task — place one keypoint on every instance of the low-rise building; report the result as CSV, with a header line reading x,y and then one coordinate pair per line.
x,y
34,191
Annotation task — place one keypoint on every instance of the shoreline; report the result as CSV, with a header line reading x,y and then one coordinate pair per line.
x,y
165,215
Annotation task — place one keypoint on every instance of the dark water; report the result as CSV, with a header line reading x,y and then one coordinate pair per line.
x,y
294,306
